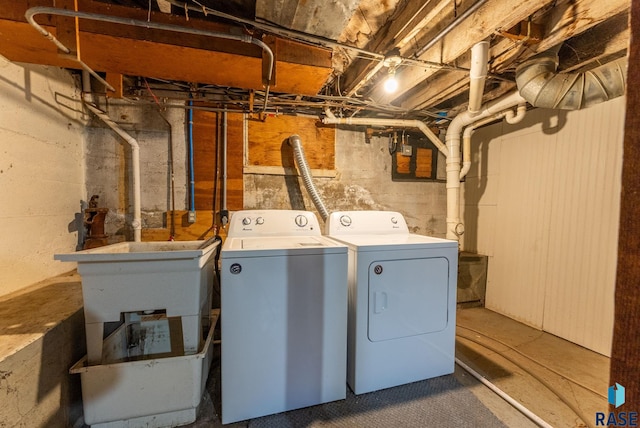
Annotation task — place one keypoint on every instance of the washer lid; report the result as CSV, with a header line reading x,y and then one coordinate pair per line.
x,y
386,242
280,245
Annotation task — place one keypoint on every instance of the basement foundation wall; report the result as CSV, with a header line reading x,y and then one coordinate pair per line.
x,y
109,168
41,172
362,182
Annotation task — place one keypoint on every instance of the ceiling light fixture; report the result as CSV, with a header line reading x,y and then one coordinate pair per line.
x,y
391,84
392,60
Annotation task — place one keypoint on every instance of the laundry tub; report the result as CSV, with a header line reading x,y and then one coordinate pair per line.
x,y
176,277
147,392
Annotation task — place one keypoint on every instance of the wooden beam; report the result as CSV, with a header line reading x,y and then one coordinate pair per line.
x,y
568,19
588,40
67,28
564,22
20,42
491,16
400,30
139,51
625,352
116,81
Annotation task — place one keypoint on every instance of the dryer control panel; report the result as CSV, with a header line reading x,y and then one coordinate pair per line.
x,y
366,222
273,223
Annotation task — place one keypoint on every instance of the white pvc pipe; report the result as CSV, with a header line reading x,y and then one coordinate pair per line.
x,y
466,140
506,397
136,224
455,228
401,123
510,117
478,75
513,118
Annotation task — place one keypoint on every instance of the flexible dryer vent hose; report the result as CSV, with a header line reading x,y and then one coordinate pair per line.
x,y
305,172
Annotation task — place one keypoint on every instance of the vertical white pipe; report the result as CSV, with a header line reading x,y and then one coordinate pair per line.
x,y
478,75
466,140
136,224
455,228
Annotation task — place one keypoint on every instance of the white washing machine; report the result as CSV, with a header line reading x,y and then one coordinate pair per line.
x,y
283,314
402,300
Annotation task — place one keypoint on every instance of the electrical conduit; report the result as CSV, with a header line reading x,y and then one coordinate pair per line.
x,y
305,172
192,189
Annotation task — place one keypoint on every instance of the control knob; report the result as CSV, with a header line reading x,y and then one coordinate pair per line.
x,y
301,220
345,220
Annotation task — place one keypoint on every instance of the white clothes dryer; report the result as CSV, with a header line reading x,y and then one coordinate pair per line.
x,y
283,314
402,300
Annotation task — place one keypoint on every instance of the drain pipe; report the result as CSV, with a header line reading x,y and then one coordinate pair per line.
x,y
136,224
330,119
455,228
305,172
508,115
478,75
466,141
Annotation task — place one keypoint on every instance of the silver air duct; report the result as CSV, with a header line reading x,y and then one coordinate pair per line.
x,y
540,84
305,172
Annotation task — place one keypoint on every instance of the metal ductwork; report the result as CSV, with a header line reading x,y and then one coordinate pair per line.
x,y
541,85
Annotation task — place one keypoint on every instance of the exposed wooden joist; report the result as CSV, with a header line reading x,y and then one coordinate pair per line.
x,y
505,52
138,51
493,15
565,21
399,31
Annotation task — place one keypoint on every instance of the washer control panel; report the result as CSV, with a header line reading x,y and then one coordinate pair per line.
x,y
273,223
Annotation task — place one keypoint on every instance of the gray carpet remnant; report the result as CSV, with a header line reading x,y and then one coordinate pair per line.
x,y
440,402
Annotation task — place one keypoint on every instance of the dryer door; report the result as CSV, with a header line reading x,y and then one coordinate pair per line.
x,y
407,297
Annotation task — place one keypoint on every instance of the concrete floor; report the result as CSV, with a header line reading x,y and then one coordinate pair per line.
x,y
534,368
525,363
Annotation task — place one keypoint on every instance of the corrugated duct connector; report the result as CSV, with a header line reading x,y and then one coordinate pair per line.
x,y
303,168
540,84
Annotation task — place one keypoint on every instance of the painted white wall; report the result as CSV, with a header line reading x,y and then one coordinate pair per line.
x,y
41,172
542,201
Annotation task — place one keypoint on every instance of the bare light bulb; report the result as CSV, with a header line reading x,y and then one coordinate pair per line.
x,y
391,84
